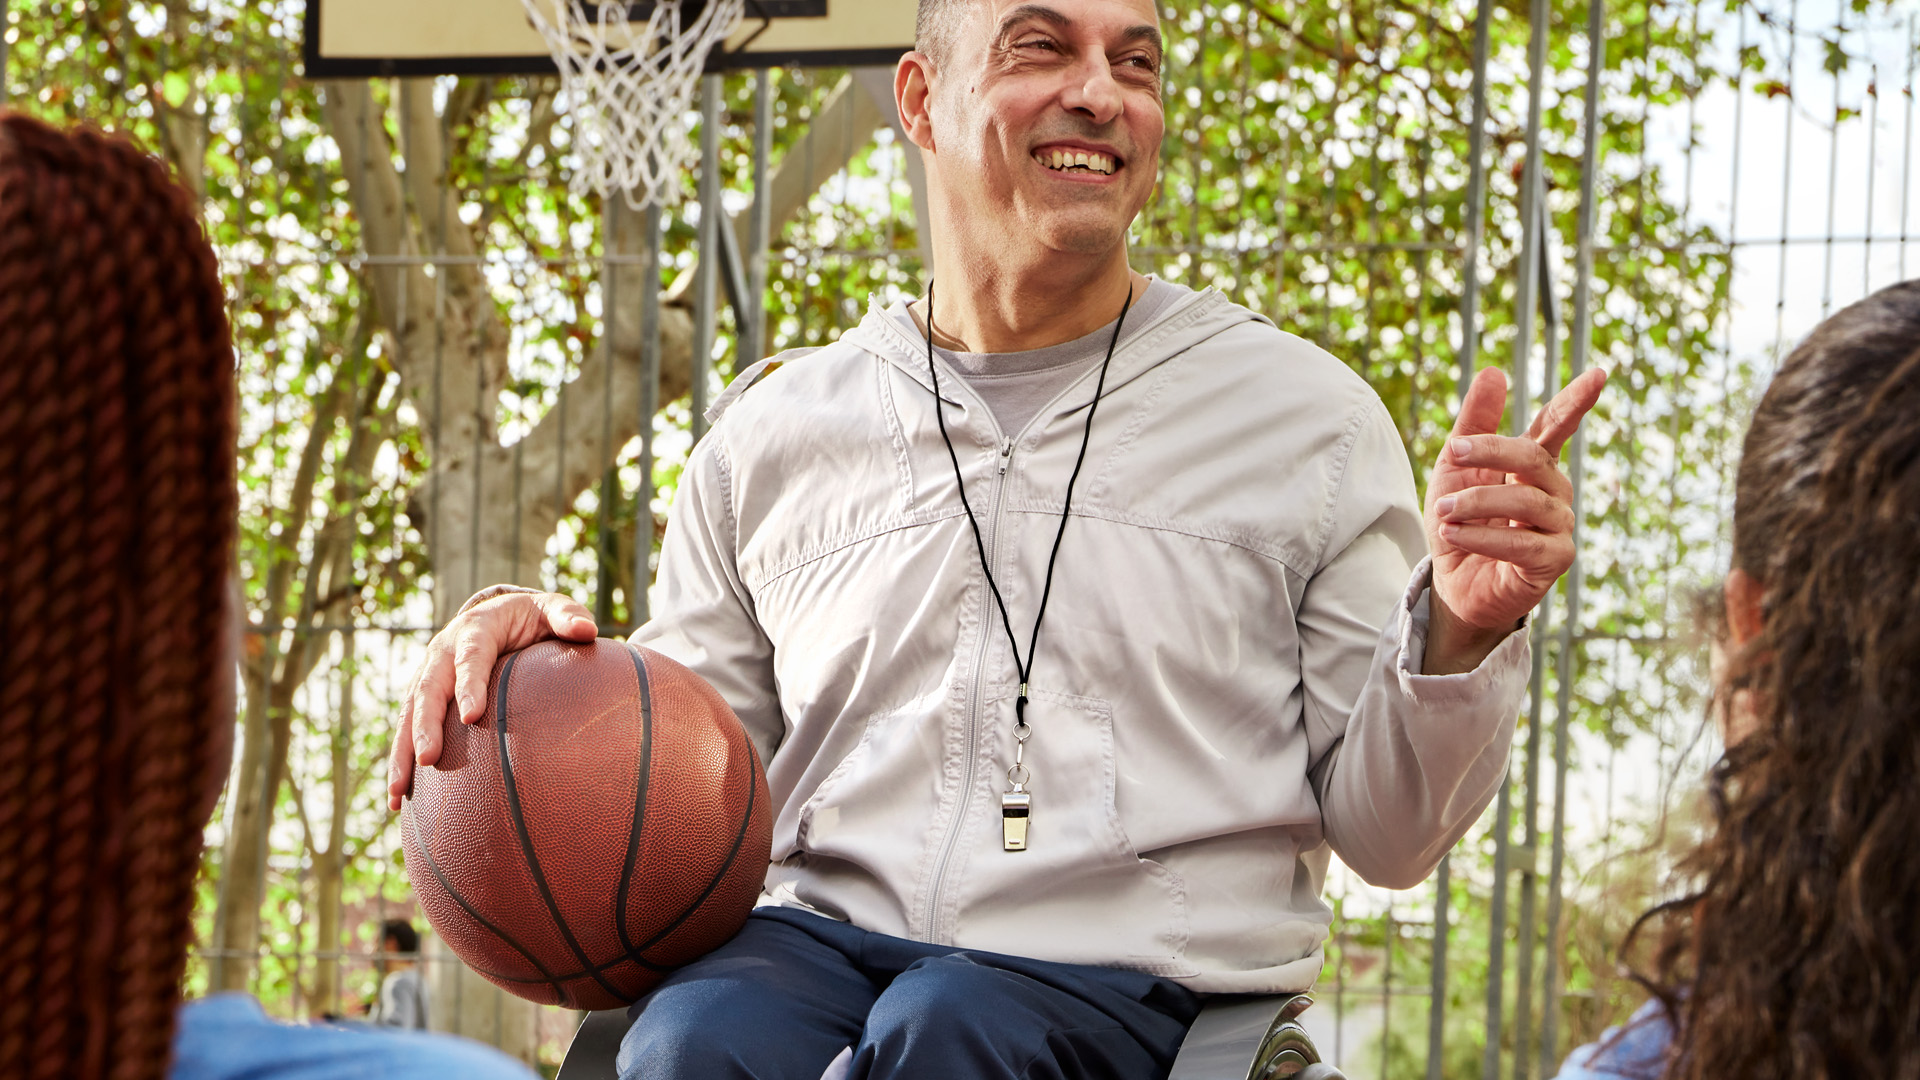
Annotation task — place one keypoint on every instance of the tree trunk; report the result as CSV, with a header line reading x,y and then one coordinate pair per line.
x,y
490,508
330,863
243,864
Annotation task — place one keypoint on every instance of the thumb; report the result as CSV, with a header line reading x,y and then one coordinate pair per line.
x,y
1485,404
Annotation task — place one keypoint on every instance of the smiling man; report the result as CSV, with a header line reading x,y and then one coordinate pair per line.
x,y
1077,616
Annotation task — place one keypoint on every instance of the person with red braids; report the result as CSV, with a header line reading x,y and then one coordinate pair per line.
x,y
120,618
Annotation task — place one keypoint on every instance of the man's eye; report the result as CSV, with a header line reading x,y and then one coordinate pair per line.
x,y
1037,43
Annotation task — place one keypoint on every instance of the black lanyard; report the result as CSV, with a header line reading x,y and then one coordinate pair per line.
x,y
1018,775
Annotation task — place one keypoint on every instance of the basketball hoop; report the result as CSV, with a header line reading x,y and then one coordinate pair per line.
x,y
629,72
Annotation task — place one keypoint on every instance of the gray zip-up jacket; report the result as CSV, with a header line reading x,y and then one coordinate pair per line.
x,y
1226,681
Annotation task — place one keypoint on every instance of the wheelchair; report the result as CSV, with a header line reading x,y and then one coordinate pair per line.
x,y
1236,1037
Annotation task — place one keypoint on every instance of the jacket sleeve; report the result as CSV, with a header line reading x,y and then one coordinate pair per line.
x,y
703,614
1402,763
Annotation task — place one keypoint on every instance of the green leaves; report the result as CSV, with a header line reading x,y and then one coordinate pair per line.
x,y
175,88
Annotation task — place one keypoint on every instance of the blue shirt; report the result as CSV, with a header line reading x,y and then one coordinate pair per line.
x,y
1636,1050
229,1037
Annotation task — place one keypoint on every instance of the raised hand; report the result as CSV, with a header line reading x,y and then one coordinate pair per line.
x,y
460,661
1499,518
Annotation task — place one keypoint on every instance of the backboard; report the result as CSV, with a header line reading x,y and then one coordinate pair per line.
x,y
367,38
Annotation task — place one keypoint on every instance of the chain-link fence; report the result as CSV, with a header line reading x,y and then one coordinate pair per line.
x,y
455,373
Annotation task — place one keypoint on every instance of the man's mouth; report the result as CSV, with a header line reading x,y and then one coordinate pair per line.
x,y
1061,159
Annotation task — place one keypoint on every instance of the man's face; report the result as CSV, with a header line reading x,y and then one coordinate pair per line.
x,y
1047,119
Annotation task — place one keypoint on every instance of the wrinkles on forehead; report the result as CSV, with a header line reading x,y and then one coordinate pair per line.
x,y
940,23
1021,17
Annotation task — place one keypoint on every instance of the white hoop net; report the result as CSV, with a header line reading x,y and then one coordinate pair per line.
x,y
629,86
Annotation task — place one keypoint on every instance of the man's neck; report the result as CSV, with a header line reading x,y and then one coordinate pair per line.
x,y
981,305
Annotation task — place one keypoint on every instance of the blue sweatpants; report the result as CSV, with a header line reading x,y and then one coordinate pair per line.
x,y
785,997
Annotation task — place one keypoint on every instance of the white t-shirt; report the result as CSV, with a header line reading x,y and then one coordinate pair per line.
x,y
403,1000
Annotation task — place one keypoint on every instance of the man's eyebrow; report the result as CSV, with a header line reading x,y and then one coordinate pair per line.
x,y
1143,32
1032,11
1133,34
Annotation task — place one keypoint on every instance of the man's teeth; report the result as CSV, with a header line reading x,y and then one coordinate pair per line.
x,y
1062,160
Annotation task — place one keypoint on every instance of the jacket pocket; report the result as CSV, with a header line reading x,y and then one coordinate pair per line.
x,y
1080,893
865,822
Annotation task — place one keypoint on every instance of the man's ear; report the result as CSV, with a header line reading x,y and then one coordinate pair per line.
x,y
913,95
1745,600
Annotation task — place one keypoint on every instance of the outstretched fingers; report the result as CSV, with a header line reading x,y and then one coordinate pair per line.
x,y
1556,423
1484,405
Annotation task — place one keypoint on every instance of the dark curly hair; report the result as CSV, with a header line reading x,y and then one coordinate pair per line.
x,y
1797,954
117,521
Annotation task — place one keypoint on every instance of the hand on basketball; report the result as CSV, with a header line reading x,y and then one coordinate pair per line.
x,y
460,661
1499,518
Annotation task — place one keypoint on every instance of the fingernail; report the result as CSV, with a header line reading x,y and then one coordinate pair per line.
x,y
1444,506
580,624
1461,448
466,706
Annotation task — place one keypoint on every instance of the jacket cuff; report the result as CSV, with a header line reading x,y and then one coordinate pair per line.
x,y
1509,662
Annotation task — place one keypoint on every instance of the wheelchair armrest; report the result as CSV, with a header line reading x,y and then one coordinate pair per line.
x,y
1258,1037
591,1054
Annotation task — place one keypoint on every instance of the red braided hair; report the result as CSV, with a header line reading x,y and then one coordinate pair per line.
x,y
117,506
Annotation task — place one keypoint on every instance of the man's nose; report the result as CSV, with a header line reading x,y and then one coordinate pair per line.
x,y
1092,91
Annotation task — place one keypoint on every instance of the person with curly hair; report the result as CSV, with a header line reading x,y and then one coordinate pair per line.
x,y
1796,952
120,617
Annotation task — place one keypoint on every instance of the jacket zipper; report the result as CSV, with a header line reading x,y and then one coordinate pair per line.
x,y
964,800
990,541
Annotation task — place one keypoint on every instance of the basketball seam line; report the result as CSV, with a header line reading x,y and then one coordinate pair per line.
x,y
739,840
526,839
434,866
639,801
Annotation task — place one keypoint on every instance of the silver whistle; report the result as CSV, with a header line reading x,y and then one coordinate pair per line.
x,y
1014,808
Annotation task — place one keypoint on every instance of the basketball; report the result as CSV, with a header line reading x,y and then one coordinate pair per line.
x,y
603,823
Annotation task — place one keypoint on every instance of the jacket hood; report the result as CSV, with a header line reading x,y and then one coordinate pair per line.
x,y
1191,321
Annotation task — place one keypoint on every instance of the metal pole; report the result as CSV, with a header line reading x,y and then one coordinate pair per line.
x,y
649,405
1437,977
706,274
1580,341
1470,289
603,531
1906,152
1531,190
1497,923
1833,177
1476,200
1530,809
753,320
1786,201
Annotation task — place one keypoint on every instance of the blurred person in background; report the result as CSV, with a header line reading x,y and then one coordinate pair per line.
x,y
121,619
403,993
1795,951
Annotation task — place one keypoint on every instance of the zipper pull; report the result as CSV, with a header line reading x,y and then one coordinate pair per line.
x,y
1006,456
